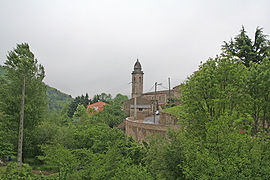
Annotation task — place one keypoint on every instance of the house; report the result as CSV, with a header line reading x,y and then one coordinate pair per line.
x,y
95,107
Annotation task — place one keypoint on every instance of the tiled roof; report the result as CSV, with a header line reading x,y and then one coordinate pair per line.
x,y
98,106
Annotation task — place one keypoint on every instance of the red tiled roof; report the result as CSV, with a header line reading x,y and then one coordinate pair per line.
x,y
98,106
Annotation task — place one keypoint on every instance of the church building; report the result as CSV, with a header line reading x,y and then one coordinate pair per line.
x,y
145,102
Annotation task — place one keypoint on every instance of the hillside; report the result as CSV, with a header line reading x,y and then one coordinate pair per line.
x,y
56,98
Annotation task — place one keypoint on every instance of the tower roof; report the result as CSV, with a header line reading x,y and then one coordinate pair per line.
x,y
137,65
137,68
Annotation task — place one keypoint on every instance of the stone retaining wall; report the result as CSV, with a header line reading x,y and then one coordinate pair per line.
x,y
167,118
141,131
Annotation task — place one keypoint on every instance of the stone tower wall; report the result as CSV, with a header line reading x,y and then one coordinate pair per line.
x,y
138,79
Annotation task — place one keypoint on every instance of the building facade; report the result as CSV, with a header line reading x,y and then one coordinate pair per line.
x,y
145,102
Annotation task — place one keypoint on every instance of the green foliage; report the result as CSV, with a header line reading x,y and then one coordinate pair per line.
x,y
225,153
247,51
21,63
57,157
81,113
3,72
97,137
113,165
57,99
165,157
259,91
91,149
6,147
223,104
45,132
97,151
107,98
84,100
218,86
13,173
132,172
176,111
111,115
119,98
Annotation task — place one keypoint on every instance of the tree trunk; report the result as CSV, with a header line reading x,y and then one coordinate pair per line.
x,y
20,143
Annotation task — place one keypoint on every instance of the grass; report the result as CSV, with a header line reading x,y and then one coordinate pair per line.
x,y
176,111
3,169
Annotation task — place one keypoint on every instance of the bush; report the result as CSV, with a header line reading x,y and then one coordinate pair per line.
x,y
13,173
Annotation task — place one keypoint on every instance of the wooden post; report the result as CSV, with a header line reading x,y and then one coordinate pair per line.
x,y
20,143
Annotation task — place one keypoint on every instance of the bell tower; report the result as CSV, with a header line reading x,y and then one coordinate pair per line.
x,y
137,80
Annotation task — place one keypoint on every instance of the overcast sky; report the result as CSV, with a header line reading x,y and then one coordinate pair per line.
x,y
92,45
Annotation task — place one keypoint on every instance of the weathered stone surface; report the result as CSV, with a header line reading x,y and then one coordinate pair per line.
x,y
167,119
141,131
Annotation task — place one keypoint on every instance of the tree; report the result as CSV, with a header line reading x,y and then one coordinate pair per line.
x,y
247,51
6,147
258,86
218,86
81,113
84,100
111,115
165,157
120,98
23,71
224,153
264,77
107,98
59,158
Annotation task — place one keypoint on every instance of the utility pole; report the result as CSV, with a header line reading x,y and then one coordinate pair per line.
x,y
135,100
169,79
155,104
20,143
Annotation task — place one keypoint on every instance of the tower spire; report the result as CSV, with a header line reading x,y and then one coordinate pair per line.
x,y
137,77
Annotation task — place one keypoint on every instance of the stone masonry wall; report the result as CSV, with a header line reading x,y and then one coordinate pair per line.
x,y
167,119
142,131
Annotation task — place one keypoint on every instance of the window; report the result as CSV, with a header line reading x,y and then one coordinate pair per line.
x,y
140,109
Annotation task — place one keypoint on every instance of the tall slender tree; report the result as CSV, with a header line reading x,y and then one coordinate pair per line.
x,y
23,71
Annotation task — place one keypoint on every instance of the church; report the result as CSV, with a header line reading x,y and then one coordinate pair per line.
x,y
145,102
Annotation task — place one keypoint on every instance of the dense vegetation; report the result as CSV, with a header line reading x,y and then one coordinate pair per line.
x,y
3,71
85,100
224,117
57,99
